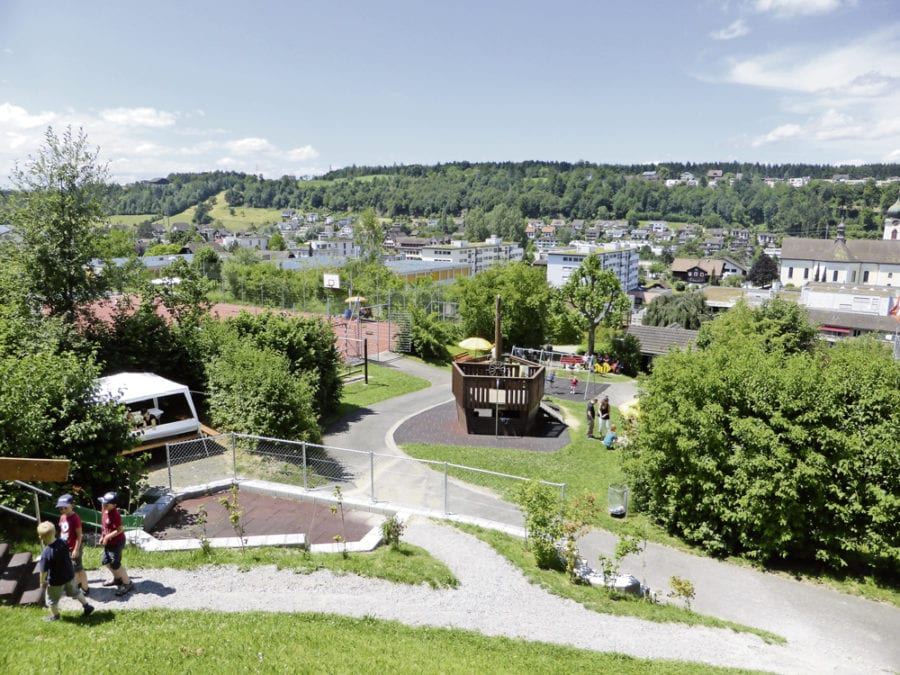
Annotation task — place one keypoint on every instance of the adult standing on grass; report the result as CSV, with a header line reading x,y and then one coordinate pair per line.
x,y
112,538
57,574
604,415
591,416
71,532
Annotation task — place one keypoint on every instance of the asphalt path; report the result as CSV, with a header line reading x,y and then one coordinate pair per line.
x,y
826,631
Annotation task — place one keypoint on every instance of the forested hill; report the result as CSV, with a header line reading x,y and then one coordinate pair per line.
x,y
549,190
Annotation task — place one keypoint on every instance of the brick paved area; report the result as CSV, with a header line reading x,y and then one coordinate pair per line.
x,y
263,515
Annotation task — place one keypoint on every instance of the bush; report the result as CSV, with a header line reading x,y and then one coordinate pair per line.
x,y
253,392
767,444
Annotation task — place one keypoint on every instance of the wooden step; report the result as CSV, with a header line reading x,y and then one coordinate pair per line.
x,y
13,577
31,593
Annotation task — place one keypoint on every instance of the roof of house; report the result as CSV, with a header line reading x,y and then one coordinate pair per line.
x,y
853,320
657,340
836,250
708,265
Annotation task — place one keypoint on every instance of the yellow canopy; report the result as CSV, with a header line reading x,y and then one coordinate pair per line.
x,y
476,343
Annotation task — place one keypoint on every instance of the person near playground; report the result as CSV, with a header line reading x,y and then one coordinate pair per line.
x,y
611,437
573,384
71,532
591,416
112,538
56,572
604,415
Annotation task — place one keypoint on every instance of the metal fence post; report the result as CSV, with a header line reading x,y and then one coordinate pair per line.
x,y
169,463
305,470
233,458
446,495
372,475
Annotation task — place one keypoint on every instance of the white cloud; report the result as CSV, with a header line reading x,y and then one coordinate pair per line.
x,y
248,146
735,30
850,162
893,156
303,154
874,57
788,8
784,132
15,117
138,117
834,96
138,143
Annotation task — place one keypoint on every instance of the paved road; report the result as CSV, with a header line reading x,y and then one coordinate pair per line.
x,y
826,630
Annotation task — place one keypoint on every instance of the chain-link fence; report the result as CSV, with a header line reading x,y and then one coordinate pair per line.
x,y
365,475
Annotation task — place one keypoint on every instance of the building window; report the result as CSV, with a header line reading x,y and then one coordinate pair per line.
x,y
790,272
806,273
866,277
834,276
853,276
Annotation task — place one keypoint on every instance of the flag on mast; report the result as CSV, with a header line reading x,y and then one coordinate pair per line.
x,y
895,310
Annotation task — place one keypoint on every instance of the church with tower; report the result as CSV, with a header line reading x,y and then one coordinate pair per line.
x,y
848,286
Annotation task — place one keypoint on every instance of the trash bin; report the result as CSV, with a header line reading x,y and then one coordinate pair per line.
x,y
618,500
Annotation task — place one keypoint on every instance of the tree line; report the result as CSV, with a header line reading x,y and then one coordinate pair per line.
x,y
532,190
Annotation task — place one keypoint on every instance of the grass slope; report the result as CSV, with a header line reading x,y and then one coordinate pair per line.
x,y
162,641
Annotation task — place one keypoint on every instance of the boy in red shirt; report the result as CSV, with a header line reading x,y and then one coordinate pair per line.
x,y
112,538
70,531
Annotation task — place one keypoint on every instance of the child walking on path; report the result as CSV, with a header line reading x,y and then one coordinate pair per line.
x,y
57,574
70,531
113,540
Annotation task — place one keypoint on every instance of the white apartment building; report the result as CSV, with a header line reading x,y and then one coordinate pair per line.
x,y
622,261
477,256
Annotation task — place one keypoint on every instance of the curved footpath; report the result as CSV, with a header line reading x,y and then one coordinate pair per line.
x,y
826,630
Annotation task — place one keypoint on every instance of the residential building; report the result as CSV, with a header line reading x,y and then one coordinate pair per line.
x,y
477,256
697,270
561,262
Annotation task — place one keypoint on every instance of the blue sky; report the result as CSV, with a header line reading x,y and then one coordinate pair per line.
x,y
294,88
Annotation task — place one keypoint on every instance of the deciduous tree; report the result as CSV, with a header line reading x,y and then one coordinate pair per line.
x,y
56,211
597,296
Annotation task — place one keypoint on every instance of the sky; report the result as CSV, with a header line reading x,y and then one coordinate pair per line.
x,y
297,88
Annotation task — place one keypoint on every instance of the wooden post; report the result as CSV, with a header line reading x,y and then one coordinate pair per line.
x,y
498,347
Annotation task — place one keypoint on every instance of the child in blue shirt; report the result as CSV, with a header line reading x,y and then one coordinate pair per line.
x,y
57,572
611,437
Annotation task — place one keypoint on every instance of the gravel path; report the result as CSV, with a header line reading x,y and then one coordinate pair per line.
x,y
493,598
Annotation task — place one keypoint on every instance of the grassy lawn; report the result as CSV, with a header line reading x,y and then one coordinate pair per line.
x,y
384,383
244,217
407,565
131,221
583,465
597,599
192,642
